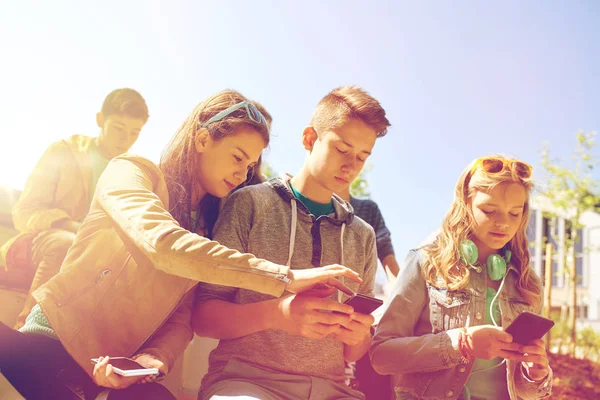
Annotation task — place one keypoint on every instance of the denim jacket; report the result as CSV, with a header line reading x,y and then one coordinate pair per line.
x,y
417,338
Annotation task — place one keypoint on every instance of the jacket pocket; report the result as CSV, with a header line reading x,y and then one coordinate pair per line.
x,y
99,278
448,309
516,307
415,385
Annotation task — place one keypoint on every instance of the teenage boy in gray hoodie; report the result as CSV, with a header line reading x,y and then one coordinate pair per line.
x,y
289,348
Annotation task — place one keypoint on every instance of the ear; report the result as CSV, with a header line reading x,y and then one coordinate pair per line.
x,y
201,140
100,119
309,137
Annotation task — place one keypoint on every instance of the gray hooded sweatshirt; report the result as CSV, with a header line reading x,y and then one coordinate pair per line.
x,y
269,222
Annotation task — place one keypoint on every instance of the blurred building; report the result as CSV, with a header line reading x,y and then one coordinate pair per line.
x,y
548,226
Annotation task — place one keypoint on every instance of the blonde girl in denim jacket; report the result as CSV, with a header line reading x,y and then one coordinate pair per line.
x,y
442,335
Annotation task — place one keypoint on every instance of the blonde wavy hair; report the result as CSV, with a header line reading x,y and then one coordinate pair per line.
x,y
443,265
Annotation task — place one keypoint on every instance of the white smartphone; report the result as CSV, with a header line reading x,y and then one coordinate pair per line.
x,y
127,367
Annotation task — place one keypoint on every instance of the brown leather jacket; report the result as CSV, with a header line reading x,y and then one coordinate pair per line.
x,y
122,287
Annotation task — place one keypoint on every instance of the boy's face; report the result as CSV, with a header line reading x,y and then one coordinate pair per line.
x,y
118,133
338,155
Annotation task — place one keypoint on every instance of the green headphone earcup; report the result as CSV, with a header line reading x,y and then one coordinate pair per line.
x,y
469,252
496,267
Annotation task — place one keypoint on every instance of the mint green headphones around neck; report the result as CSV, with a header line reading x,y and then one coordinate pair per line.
x,y
496,264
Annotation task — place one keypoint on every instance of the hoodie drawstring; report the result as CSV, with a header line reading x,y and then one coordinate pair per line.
x,y
339,292
293,228
292,231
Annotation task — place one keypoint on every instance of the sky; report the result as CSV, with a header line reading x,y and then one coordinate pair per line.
x,y
458,79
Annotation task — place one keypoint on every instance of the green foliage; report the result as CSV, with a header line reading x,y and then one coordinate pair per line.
x,y
589,340
359,188
560,330
572,192
267,171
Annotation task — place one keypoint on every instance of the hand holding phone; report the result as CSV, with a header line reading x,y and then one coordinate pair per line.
x,y
125,366
364,304
528,327
359,328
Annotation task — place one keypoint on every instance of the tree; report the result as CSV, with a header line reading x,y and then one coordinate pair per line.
x,y
359,188
267,171
572,192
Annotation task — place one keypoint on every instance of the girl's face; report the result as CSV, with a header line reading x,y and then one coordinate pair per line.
x,y
223,164
497,215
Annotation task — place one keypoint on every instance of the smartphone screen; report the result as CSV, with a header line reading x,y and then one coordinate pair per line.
x,y
125,364
364,304
529,326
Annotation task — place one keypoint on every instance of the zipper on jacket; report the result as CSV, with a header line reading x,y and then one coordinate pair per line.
x,y
275,275
96,282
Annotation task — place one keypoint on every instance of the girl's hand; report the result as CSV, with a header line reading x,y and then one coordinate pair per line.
x,y
489,341
149,361
537,368
311,278
104,375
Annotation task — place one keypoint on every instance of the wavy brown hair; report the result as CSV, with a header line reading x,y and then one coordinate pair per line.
x,y
443,265
179,160
256,176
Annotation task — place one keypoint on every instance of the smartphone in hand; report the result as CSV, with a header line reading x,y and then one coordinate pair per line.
x,y
529,326
364,304
125,366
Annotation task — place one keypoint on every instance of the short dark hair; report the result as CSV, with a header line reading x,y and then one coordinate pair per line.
x,y
125,101
346,103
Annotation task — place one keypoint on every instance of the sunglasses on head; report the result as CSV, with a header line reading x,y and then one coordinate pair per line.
x,y
493,165
251,111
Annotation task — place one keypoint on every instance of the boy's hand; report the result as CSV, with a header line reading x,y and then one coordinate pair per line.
x,y
536,369
357,331
307,279
310,315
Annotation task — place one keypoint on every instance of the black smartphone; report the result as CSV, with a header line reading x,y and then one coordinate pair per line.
x,y
529,326
364,304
